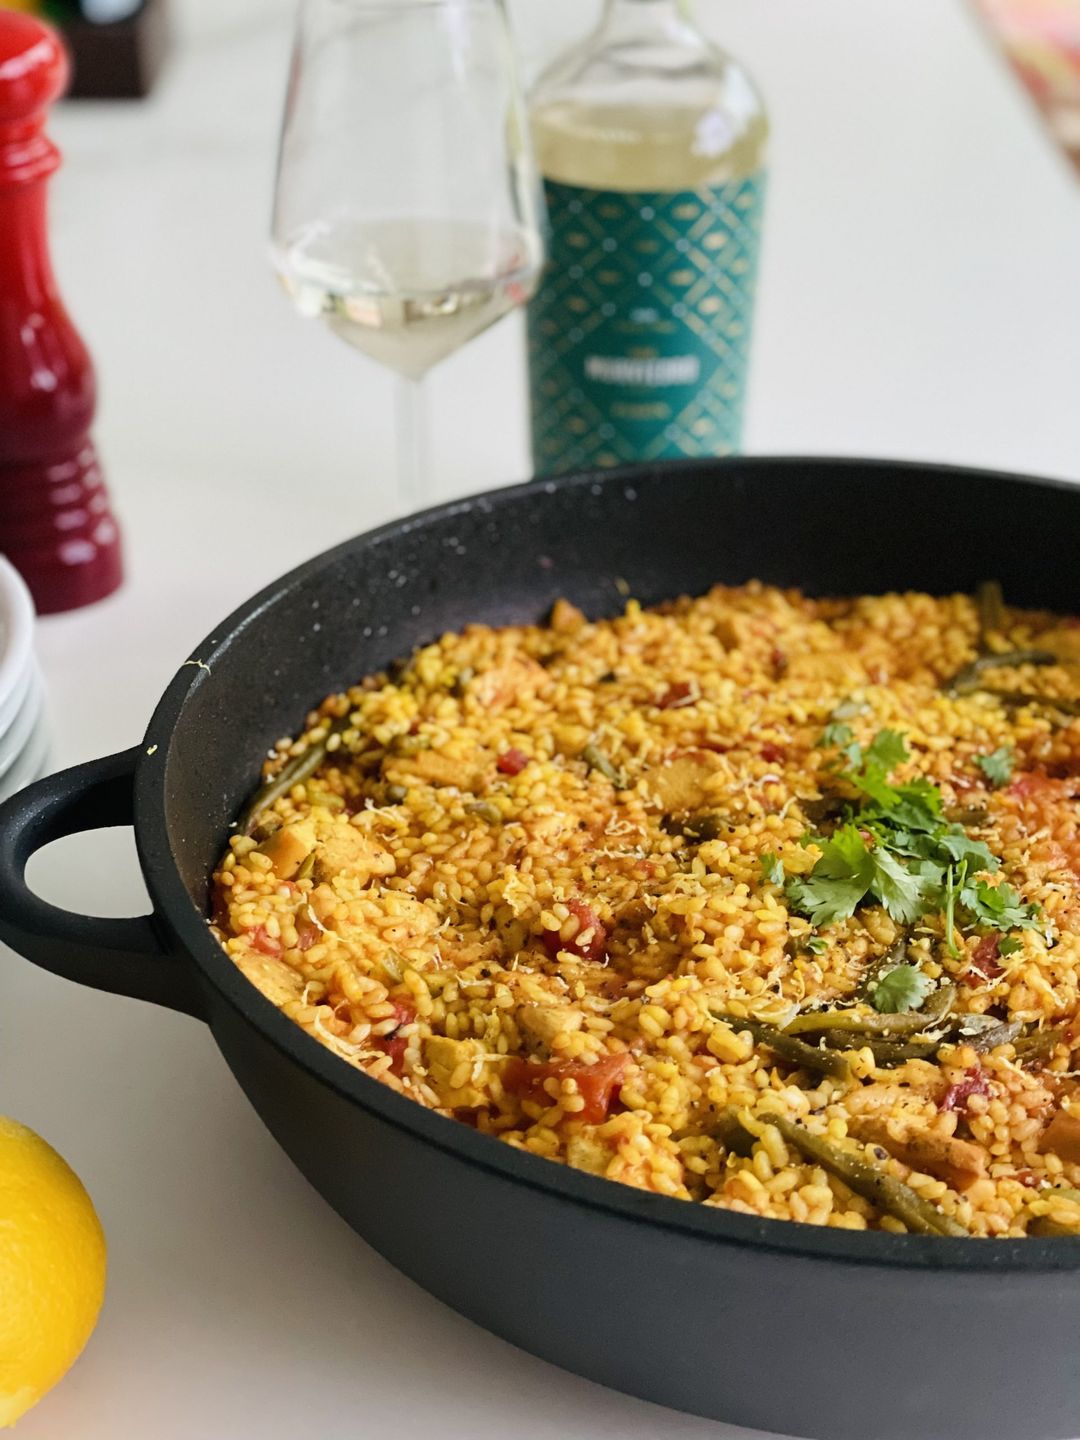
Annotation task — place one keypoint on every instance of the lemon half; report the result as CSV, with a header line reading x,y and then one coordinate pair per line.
x,y
52,1268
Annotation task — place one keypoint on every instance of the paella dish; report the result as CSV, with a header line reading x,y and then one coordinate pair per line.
x,y
754,900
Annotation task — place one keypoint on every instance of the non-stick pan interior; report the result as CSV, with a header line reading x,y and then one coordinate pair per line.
x,y
827,527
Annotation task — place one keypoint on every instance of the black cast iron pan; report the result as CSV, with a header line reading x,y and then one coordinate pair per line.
x,y
789,1328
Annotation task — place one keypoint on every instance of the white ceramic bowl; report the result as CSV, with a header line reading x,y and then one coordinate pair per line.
x,y
16,642
31,763
26,721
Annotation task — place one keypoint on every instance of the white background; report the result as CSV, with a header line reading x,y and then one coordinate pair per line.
x,y
919,297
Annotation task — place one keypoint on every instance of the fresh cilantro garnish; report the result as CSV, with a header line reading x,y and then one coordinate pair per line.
x,y
998,906
1010,944
895,846
837,882
905,987
959,846
887,751
906,891
954,879
997,766
836,734
771,868
817,945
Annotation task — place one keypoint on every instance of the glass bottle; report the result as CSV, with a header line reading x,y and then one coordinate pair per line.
x,y
651,143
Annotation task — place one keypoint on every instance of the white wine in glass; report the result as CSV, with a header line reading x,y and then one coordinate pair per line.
x,y
406,212
382,284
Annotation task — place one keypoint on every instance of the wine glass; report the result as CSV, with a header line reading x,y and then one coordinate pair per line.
x,y
406,208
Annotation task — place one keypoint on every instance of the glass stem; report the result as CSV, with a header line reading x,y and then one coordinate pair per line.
x,y
411,443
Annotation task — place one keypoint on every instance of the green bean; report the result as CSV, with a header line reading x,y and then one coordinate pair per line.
x,y
968,815
1043,1227
1045,702
290,774
1037,1044
990,603
486,810
707,825
867,1179
906,1022
595,759
815,1058
885,1052
992,1037
967,678
732,1134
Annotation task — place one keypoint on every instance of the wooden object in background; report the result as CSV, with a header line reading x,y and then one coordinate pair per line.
x,y
119,60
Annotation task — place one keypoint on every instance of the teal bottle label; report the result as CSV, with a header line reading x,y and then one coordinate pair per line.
x,y
639,334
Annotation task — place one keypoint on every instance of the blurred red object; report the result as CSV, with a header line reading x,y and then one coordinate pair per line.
x,y
55,523
1041,39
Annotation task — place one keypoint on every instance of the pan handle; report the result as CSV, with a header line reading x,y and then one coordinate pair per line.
x,y
124,956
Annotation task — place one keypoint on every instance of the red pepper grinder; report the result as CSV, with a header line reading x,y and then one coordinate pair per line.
x,y
55,523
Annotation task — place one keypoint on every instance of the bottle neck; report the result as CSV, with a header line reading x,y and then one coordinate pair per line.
x,y
644,17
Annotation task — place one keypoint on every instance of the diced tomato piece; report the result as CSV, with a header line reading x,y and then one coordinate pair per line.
x,y
779,662
957,1096
1027,1177
773,754
596,1084
985,964
511,762
675,695
589,940
1031,782
395,1046
264,943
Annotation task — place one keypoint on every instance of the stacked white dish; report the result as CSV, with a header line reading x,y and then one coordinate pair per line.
x,y
24,734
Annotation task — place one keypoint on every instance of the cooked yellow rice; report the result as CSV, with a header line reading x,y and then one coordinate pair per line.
x,y
394,904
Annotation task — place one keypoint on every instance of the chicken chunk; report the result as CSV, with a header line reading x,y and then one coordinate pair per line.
x,y
429,767
585,1152
680,784
1062,1137
289,847
451,1066
958,1162
347,851
543,1023
519,676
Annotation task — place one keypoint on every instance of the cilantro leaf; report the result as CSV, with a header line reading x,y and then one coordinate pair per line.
x,y
905,987
905,892
839,880
836,734
817,945
998,906
871,770
917,805
997,766
1010,945
771,869
887,750
958,845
